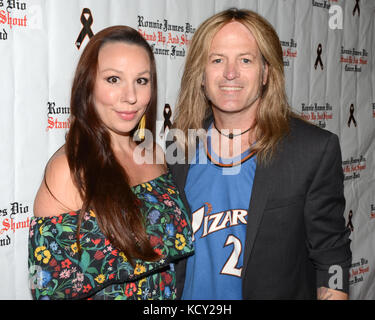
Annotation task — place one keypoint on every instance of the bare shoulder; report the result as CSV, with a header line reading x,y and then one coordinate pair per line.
x,y
57,193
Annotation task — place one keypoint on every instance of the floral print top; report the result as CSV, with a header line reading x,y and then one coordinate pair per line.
x,y
57,271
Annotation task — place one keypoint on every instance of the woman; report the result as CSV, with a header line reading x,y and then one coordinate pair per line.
x,y
105,225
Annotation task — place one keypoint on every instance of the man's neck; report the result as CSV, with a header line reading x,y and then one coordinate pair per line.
x,y
241,120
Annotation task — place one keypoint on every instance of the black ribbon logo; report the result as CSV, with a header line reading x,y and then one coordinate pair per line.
x,y
351,118
318,58
350,224
356,7
86,30
167,113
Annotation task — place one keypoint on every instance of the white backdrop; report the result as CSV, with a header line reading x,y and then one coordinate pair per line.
x,y
38,55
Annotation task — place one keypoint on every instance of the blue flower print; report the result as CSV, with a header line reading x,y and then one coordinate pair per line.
x,y
150,198
54,246
153,216
170,229
167,292
43,278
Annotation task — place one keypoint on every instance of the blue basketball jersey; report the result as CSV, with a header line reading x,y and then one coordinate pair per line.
x,y
219,196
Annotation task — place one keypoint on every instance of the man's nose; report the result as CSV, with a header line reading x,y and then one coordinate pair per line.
x,y
231,71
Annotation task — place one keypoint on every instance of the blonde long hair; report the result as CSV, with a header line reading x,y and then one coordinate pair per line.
x,y
193,107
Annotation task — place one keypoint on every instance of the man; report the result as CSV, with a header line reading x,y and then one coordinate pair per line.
x,y
267,206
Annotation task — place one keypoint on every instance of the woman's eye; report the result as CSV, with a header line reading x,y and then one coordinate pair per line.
x,y
112,79
143,81
216,60
245,60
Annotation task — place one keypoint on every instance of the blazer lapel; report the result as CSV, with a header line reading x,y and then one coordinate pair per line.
x,y
261,188
180,172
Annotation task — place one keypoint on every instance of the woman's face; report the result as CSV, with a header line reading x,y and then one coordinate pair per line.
x,y
123,86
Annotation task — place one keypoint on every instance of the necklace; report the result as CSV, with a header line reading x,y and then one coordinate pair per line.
x,y
231,135
226,163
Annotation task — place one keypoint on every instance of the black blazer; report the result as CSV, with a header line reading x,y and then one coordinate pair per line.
x,y
295,228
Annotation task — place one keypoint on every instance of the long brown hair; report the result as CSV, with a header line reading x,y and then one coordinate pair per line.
x,y
193,107
102,182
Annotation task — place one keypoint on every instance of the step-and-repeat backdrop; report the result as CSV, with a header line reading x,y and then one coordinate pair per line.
x,y
328,48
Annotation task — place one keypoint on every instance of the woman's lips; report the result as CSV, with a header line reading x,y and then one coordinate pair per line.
x,y
126,115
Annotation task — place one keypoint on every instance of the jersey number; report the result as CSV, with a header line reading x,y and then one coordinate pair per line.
x,y
230,267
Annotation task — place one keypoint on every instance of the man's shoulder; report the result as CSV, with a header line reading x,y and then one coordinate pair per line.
x,y
302,129
305,140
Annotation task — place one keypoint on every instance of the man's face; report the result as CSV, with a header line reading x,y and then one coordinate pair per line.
x,y
234,72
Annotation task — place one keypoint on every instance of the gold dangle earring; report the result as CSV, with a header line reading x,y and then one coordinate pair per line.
x,y
141,127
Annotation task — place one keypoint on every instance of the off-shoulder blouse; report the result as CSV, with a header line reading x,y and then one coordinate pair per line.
x,y
58,271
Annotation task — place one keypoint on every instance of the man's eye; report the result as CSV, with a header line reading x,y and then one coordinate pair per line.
x,y
142,81
216,60
113,79
245,60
